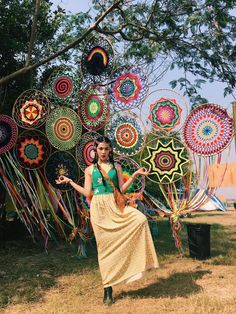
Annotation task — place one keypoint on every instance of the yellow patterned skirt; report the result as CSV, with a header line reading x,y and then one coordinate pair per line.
x,y
124,242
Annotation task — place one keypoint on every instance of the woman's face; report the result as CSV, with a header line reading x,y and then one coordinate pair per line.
x,y
103,150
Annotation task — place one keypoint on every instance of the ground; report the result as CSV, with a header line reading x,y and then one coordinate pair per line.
x,y
35,282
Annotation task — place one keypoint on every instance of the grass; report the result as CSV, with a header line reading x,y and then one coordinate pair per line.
x,y
33,281
223,242
223,245
27,271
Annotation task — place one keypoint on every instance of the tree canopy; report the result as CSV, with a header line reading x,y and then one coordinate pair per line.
x,y
27,29
196,36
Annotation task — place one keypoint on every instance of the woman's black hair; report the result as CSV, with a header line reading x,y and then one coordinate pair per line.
x,y
104,139
97,141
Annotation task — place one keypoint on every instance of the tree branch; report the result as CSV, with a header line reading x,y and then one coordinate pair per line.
x,y
28,68
125,37
110,32
33,32
154,4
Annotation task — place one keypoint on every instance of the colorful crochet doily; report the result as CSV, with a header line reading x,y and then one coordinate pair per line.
x,y
32,149
61,164
8,133
167,110
208,129
165,114
166,158
93,107
63,86
126,132
31,109
129,87
84,149
63,128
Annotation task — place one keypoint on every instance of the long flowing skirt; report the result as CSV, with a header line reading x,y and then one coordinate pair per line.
x,y
124,242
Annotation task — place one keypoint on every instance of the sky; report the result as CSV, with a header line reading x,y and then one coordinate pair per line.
x,y
212,91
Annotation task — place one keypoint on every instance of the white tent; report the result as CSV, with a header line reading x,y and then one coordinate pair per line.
x,y
212,203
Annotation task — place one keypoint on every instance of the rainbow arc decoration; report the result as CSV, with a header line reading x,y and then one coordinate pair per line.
x,y
63,86
98,52
63,128
167,160
31,109
8,133
129,87
165,114
93,107
97,60
208,129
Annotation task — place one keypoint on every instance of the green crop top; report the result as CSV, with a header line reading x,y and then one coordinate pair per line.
x,y
97,184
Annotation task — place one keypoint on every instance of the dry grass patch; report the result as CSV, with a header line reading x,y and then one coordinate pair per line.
x,y
35,283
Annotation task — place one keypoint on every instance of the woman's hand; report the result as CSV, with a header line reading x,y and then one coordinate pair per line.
x,y
141,171
63,180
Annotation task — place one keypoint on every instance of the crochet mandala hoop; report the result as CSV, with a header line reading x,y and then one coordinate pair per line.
x,y
63,86
63,128
84,149
167,110
61,164
208,129
129,87
166,158
126,132
32,149
97,60
8,133
31,109
93,107
165,114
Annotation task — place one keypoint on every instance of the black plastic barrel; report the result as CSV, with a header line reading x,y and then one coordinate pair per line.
x,y
199,240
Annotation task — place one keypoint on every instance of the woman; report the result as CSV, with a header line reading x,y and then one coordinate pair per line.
x,y
124,242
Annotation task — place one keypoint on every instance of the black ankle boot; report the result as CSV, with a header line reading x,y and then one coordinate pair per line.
x,y
107,299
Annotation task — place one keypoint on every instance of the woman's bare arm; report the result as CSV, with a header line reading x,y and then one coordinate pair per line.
x,y
86,190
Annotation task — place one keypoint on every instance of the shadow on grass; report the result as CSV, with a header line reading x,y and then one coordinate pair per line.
x,y
177,285
26,270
